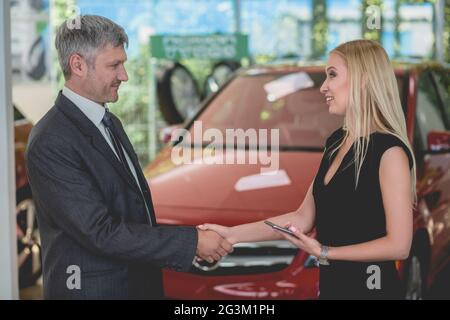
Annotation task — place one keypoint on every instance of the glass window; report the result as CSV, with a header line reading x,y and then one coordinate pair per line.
x,y
301,116
344,21
406,24
442,79
416,26
429,115
280,28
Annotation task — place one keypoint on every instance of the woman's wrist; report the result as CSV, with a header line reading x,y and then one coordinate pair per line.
x,y
323,257
232,236
317,250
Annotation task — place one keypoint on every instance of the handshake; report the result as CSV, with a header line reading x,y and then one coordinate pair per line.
x,y
213,243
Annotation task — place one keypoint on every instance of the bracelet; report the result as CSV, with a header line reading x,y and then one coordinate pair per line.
x,y
323,258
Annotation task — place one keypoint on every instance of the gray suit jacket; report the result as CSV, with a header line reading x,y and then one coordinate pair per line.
x,y
91,214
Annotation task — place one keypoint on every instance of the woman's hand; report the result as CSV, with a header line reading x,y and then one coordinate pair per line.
x,y
307,244
225,232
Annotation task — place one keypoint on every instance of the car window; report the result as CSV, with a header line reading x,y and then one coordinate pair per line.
x,y
429,115
403,92
301,116
18,115
442,80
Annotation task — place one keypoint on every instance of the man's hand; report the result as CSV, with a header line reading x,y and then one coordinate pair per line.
x,y
225,232
211,246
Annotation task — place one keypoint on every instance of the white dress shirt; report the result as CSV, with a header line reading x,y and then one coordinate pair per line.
x,y
95,112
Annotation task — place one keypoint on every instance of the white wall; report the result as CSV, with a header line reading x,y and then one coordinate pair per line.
x,y
8,246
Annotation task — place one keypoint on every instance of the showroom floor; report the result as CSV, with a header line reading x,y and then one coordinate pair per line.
x,y
32,293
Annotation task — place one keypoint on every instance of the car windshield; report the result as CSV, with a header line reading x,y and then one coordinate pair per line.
x,y
290,102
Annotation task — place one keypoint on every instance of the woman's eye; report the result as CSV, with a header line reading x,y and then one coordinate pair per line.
x,y
332,74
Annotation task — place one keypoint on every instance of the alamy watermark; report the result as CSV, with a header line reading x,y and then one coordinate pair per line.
x,y
73,281
74,20
228,149
373,13
374,280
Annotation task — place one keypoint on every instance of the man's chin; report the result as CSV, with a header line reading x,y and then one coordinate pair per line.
x,y
113,98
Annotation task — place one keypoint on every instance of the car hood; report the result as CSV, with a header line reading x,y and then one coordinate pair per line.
x,y
237,191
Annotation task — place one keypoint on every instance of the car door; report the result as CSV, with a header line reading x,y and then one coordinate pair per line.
x,y
433,166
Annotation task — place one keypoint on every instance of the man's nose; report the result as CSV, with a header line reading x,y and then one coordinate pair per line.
x,y
123,75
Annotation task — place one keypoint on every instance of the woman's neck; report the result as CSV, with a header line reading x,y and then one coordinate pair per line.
x,y
351,135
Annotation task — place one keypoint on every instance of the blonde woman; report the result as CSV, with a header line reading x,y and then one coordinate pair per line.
x,y
362,197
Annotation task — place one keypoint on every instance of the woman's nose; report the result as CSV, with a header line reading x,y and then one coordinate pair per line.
x,y
324,87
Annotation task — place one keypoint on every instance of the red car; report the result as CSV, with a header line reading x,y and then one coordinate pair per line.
x,y
28,241
270,97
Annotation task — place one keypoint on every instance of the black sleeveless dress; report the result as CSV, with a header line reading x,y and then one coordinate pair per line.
x,y
345,216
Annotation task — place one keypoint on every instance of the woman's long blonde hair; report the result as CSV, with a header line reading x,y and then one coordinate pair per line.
x,y
374,102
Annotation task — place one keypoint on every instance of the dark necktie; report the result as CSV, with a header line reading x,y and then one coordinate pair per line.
x,y
109,125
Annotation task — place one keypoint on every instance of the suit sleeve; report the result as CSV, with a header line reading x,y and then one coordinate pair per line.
x,y
72,202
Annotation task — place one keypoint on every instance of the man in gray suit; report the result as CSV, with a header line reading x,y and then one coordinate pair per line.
x,y
94,207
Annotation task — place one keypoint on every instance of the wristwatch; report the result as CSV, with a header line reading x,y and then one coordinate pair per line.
x,y
323,258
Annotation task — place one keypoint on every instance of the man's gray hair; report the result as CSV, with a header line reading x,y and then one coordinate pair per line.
x,y
94,33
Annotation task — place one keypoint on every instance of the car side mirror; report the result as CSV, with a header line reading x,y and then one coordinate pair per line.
x,y
165,135
438,140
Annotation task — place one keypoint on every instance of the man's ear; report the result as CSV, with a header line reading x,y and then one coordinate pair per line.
x,y
77,65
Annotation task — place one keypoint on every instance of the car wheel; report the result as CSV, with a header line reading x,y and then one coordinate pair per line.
x,y
178,94
417,265
36,57
221,72
28,240
439,288
414,280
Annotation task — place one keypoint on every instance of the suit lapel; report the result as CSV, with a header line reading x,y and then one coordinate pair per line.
x,y
89,129
101,145
126,143
130,151
141,178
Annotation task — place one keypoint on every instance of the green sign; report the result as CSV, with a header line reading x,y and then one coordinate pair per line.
x,y
225,46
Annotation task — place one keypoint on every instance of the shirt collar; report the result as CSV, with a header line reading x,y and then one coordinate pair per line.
x,y
91,109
